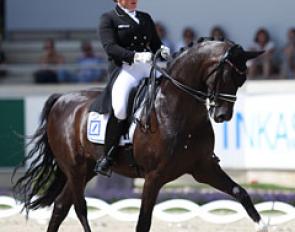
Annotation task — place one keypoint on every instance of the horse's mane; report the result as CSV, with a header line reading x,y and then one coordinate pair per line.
x,y
179,54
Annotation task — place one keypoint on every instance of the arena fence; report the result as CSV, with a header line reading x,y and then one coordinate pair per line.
x,y
178,210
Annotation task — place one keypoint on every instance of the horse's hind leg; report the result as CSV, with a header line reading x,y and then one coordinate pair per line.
x,y
78,184
62,205
150,192
212,174
73,193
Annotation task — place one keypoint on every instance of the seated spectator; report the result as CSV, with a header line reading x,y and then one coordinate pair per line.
x,y
89,70
288,64
188,38
217,33
49,61
2,62
263,65
162,32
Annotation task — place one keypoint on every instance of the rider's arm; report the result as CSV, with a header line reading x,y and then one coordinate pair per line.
x,y
109,42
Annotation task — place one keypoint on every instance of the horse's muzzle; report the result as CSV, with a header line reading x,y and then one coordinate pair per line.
x,y
222,114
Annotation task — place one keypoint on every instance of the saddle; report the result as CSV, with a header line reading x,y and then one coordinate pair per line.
x,y
96,123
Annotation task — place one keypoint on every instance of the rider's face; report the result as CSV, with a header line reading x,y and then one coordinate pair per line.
x,y
128,4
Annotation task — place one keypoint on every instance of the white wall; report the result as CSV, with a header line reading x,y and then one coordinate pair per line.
x,y
260,136
54,14
239,18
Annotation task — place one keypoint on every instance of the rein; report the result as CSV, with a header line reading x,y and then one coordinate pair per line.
x,y
196,94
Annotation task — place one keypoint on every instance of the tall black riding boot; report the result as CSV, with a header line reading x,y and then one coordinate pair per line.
x,y
114,130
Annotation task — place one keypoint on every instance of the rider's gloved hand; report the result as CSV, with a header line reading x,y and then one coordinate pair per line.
x,y
165,52
143,57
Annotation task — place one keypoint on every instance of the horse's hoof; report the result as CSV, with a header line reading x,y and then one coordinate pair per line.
x,y
261,227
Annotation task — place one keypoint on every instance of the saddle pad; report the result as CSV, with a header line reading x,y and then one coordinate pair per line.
x,y
96,128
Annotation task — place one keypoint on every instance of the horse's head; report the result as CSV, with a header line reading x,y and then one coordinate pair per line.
x,y
226,72
214,70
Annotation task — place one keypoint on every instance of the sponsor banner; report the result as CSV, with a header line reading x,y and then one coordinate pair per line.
x,y
260,135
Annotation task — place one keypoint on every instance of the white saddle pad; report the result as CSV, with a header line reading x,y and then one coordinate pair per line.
x,y
96,128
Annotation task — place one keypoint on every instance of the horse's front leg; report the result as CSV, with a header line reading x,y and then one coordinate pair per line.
x,y
212,174
151,188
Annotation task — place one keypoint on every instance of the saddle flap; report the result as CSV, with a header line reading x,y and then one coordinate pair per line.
x,y
96,129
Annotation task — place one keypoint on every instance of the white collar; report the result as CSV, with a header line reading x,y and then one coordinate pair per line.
x,y
133,13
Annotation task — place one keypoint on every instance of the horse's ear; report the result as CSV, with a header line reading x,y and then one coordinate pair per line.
x,y
251,54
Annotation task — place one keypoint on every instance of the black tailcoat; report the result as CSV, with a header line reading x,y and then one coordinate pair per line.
x,y
121,38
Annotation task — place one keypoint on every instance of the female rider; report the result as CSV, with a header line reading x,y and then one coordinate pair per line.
x,y
129,38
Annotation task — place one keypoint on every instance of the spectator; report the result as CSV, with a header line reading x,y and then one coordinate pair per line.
x,y
49,58
88,65
162,33
263,65
217,33
288,64
2,62
188,37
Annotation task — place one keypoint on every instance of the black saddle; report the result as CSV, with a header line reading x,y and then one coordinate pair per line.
x,y
136,97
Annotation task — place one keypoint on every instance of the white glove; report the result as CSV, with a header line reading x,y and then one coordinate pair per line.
x,y
143,57
165,52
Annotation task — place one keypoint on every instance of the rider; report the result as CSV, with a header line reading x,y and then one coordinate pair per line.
x,y
129,38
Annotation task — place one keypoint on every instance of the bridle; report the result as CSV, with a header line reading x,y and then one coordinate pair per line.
x,y
200,95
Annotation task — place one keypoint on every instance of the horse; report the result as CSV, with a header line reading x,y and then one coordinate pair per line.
x,y
202,81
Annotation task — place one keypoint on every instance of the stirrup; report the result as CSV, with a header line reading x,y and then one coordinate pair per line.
x,y
103,167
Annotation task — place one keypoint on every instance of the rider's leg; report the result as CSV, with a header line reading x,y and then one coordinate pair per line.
x,y
128,78
116,123
114,130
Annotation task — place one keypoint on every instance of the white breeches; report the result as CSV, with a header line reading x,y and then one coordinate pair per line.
x,y
129,77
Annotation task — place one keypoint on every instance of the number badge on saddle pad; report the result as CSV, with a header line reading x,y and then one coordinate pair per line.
x,y
96,128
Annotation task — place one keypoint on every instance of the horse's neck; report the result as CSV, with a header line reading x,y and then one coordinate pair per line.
x,y
187,69
177,107
178,110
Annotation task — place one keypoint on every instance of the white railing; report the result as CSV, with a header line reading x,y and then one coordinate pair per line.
x,y
171,211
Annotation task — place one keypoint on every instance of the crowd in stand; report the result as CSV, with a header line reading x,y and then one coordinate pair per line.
x,y
275,63
88,66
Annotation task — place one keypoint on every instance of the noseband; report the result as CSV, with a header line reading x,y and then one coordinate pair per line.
x,y
200,95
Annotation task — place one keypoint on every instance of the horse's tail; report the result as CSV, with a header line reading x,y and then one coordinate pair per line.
x,y
43,180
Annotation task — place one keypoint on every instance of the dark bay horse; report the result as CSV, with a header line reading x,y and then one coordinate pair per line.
x,y
180,140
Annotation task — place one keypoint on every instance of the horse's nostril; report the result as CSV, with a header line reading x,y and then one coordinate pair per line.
x,y
220,118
